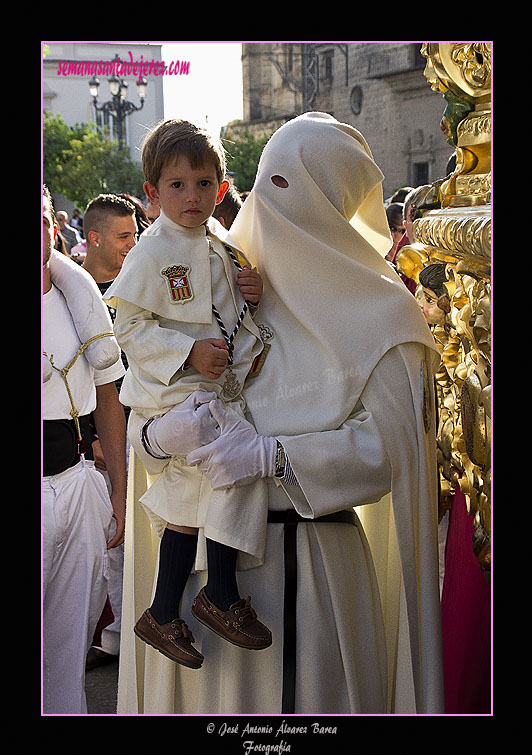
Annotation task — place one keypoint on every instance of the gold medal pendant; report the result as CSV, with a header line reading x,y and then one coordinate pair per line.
x,y
231,388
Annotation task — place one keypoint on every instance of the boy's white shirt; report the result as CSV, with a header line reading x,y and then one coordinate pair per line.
x,y
158,334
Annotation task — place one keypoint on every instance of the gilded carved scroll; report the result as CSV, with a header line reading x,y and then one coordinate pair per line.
x,y
452,229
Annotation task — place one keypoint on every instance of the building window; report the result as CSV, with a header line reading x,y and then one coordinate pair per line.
x,y
326,66
421,174
355,99
390,60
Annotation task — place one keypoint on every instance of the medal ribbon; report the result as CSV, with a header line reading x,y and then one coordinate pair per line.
x,y
230,338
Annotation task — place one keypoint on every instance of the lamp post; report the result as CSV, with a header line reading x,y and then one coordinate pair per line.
x,y
119,106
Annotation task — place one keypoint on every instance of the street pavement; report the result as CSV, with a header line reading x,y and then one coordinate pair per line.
x,y
101,685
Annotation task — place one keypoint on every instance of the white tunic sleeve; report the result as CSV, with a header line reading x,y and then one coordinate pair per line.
x,y
338,469
158,351
350,466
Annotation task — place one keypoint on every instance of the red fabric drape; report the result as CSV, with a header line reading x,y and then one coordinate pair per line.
x,y
466,619
409,283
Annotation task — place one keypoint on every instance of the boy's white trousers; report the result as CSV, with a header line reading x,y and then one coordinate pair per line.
x,y
76,517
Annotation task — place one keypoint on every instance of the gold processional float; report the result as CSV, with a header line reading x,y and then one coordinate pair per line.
x,y
451,251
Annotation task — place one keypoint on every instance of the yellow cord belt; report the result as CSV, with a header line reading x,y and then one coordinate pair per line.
x,y
74,413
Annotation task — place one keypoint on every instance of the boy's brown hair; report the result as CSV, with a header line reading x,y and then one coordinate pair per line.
x,y
172,139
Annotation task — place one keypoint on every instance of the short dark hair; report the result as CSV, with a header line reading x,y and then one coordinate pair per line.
x,y
101,208
394,213
172,139
228,207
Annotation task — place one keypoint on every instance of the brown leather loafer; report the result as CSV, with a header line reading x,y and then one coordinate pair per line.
x,y
174,640
238,625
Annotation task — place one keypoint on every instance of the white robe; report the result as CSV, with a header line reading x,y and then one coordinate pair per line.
x,y
357,649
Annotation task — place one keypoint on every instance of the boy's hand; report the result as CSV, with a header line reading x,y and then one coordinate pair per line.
x,y
209,356
250,284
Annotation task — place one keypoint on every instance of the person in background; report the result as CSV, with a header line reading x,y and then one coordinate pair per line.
x,y
110,231
69,234
111,228
400,194
77,221
394,213
404,239
227,210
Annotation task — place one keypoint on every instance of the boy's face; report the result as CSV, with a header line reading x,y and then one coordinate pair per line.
x,y
187,195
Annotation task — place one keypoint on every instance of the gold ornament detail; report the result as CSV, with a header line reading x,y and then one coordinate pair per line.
x,y
461,72
453,228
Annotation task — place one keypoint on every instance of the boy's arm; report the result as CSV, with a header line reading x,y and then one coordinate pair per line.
x,y
209,356
161,352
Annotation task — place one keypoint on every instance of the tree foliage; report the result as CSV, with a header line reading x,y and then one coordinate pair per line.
x,y
79,162
243,154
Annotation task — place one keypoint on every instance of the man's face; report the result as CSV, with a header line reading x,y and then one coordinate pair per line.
x,y
49,231
187,195
115,240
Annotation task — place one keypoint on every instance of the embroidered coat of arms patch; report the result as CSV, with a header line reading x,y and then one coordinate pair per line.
x,y
179,287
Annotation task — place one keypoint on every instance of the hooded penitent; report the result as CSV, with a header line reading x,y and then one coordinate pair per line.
x,y
319,243
315,227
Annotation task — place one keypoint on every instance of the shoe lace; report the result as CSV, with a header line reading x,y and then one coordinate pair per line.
x,y
247,609
183,629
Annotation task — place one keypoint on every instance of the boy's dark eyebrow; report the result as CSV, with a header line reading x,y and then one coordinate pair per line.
x,y
201,178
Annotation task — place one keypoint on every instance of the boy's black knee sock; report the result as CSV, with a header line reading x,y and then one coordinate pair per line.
x,y
177,554
221,585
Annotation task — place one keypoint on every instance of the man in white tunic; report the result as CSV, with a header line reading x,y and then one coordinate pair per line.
x,y
80,364
345,389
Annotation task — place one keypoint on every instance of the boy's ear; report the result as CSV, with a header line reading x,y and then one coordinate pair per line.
x,y
151,192
221,191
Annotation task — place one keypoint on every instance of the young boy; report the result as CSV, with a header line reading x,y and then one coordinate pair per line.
x,y
183,301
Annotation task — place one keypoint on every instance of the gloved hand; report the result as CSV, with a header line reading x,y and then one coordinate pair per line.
x,y
185,427
238,457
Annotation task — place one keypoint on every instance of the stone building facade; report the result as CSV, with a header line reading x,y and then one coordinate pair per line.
x,y
378,87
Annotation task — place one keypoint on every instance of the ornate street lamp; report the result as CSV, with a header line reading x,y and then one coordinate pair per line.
x,y
119,107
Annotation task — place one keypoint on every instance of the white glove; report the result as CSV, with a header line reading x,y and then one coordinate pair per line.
x,y
185,427
238,457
